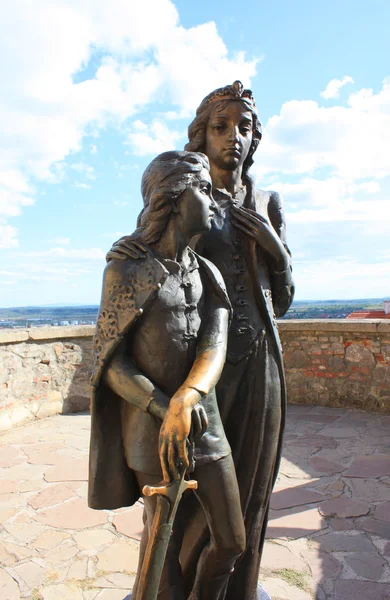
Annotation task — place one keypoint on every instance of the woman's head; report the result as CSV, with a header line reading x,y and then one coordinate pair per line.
x,y
217,103
164,181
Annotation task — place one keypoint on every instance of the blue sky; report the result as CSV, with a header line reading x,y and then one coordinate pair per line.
x,y
92,91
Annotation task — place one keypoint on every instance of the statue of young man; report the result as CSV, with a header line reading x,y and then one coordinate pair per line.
x,y
247,242
160,348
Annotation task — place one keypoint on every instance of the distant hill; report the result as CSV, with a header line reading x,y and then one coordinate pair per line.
x,y
33,316
37,316
331,309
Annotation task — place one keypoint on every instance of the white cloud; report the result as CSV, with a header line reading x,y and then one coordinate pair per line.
x,y
8,236
142,54
86,170
342,278
333,199
83,186
34,272
352,142
153,139
78,254
62,241
15,193
332,90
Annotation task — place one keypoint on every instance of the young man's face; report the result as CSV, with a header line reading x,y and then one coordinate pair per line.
x,y
197,205
229,135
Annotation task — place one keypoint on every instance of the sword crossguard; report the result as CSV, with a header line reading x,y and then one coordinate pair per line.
x,y
167,488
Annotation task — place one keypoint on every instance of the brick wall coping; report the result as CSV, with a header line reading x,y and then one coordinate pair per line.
x,y
336,325
9,336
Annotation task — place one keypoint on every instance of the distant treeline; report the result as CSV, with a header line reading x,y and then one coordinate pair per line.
x,y
323,309
59,313
331,309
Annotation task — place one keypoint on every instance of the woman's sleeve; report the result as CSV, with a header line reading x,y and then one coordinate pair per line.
x,y
281,281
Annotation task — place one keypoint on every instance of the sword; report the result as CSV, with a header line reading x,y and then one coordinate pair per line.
x,y
169,496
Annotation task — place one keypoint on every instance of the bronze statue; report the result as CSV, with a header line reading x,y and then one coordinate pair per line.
x,y
247,242
160,348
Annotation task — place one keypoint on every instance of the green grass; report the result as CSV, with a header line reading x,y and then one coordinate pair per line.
x,y
292,577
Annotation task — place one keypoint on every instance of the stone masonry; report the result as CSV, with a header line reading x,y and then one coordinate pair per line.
x,y
338,363
335,363
43,371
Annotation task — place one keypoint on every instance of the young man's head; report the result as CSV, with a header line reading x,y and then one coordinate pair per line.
x,y
179,184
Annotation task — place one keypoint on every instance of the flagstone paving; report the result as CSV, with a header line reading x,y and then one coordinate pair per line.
x,y
328,535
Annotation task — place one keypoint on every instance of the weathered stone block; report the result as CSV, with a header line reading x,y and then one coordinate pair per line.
x,y
20,415
47,409
359,354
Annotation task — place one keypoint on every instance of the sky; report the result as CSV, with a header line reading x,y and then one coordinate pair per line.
x,y
92,91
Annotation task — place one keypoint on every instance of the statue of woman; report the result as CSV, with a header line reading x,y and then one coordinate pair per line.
x,y
247,243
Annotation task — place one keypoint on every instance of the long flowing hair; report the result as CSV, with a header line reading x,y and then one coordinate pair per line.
x,y
217,101
163,182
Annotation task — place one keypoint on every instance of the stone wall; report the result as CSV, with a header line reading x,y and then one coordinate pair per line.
x,y
44,371
338,362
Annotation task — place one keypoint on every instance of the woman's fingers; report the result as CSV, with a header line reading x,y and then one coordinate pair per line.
x,y
246,223
246,230
116,254
140,245
249,214
255,229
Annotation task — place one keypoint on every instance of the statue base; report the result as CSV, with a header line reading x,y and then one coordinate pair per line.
x,y
261,594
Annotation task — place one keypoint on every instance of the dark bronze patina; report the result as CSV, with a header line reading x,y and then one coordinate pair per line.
x,y
160,347
247,243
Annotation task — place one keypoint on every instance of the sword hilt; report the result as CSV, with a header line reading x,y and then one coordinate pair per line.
x,y
167,488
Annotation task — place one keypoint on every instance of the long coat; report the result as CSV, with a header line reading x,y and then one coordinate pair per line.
x,y
256,448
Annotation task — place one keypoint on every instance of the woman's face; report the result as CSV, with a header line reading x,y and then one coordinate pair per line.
x,y
196,204
229,135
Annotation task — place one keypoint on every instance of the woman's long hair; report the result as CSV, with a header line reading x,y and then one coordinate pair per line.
x,y
217,101
163,181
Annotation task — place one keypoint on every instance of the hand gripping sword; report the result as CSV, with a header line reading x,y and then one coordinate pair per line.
x,y
169,496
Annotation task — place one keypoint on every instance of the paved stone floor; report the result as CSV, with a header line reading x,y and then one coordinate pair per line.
x,y
328,537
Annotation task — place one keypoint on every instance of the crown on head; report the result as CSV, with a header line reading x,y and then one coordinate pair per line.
x,y
235,91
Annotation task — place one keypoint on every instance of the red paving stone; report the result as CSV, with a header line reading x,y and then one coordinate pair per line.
x,y
287,498
322,465
74,514
377,465
361,590
344,507
130,522
367,566
330,517
382,511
